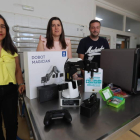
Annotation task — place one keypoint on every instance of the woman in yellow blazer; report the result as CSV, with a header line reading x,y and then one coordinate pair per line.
x,y
10,76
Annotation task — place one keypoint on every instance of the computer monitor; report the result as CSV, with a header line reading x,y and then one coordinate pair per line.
x,y
122,68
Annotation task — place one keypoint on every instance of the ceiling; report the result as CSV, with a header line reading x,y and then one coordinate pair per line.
x,y
129,5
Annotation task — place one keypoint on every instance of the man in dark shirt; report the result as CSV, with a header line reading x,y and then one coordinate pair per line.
x,y
90,47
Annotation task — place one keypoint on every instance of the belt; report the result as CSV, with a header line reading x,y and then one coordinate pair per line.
x,y
7,85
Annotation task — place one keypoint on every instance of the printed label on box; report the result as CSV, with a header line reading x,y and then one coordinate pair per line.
x,y
63,53
95,84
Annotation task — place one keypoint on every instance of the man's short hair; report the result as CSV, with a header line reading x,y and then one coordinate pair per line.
x,y
93,21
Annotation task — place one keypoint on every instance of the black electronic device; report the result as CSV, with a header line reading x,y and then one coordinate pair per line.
x,y
90,105
48,92
90,101
70,102
122,68
71,66
70,88
55,114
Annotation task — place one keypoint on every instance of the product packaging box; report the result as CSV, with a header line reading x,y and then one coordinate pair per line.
x,y
43,68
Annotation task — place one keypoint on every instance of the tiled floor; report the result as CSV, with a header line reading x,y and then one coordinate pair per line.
x,y
129,135
23,130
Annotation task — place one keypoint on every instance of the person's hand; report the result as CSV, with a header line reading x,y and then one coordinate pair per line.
x,y
42,39
21,89
75,77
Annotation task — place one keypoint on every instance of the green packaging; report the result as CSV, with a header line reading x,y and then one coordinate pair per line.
x,y
112,100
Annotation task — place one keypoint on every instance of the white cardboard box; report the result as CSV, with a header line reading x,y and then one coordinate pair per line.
x,y
37,65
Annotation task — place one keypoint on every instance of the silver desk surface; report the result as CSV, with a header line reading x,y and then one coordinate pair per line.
x,y
106,123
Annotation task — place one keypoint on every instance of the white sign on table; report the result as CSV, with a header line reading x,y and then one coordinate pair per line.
x,y
95,84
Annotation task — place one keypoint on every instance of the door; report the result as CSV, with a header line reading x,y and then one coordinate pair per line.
x,y
122,42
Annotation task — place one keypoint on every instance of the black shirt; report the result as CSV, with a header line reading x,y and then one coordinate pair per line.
x,y
92,49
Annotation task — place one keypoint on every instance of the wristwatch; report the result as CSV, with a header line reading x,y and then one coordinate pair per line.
x,y
21,84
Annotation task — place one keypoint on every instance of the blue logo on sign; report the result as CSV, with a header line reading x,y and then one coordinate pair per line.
x,y
63,53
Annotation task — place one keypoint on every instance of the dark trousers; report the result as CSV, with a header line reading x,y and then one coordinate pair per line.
x,y
8,109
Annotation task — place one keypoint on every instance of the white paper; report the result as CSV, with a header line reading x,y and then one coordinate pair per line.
x,y
106,94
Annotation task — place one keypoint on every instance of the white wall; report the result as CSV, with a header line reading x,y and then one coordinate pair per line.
x,y
72,11
134,39
116,9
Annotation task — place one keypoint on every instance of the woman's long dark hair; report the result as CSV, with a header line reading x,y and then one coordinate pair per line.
x,y
50,41
7,43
